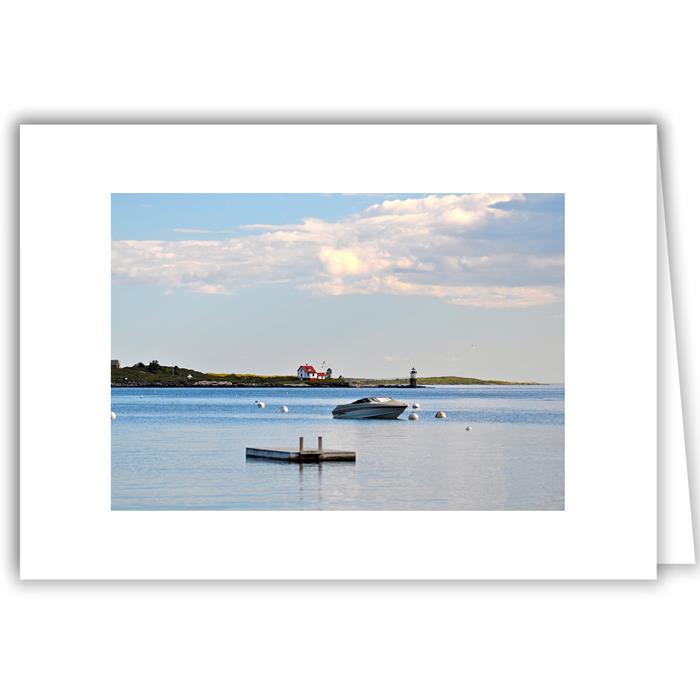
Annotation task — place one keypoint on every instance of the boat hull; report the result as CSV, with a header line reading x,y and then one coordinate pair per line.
x,y
373,412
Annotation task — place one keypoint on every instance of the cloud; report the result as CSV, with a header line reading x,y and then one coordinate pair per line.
x,y
478,296
341,262
481,250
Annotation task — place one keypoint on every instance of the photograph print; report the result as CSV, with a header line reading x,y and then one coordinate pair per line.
x,y
323,352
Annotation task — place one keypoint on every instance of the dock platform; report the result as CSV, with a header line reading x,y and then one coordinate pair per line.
x,y
301,455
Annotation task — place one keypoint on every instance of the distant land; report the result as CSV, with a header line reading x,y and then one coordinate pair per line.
x,y
156,375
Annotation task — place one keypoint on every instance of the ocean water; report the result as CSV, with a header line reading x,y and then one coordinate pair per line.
x,y
184,449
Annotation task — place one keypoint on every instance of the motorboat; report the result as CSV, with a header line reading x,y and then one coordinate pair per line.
x,y
371,407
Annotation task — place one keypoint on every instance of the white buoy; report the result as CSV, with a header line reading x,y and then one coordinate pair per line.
x,y
468,427
413,416
416,405
441,414
261,404
114,416
284,409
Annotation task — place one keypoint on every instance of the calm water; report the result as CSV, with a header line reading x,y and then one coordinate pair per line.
x,y
178,449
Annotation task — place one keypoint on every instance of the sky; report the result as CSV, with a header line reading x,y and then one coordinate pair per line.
x,y
367,284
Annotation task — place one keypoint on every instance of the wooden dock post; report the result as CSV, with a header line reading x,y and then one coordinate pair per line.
x,y
301,444
320,444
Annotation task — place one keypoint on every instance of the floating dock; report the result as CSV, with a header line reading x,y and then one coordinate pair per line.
x,y
301,455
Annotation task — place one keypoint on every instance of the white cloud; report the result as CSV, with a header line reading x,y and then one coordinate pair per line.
x,y
458,248
341,262
478,296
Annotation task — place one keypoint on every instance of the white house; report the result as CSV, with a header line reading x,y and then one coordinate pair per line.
x,y
309,372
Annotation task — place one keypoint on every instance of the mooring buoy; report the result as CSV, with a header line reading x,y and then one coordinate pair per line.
x,y
416,405
284,409
413,416
114,416
441,414
468,427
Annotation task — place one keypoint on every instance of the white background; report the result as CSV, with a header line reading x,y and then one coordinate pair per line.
x,y
608,529
501,61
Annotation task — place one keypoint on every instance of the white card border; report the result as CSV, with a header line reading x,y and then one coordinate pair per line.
x,y
608,174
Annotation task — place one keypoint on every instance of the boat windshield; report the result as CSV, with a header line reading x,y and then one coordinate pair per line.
x,y
374,399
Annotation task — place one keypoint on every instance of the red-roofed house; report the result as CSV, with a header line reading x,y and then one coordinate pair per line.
x,y
309,372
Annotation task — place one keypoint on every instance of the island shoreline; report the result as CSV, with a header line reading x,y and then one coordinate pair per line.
x,y
161,376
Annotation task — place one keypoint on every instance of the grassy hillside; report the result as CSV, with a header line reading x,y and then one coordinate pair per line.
x,y
428,381
466,380
155,374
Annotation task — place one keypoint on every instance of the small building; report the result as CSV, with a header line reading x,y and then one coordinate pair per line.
x,y
115,364
309,372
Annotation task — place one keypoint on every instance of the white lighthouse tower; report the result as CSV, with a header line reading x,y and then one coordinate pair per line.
x,y
413,381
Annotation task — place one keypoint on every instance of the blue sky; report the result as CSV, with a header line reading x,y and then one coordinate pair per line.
x,y
371,283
